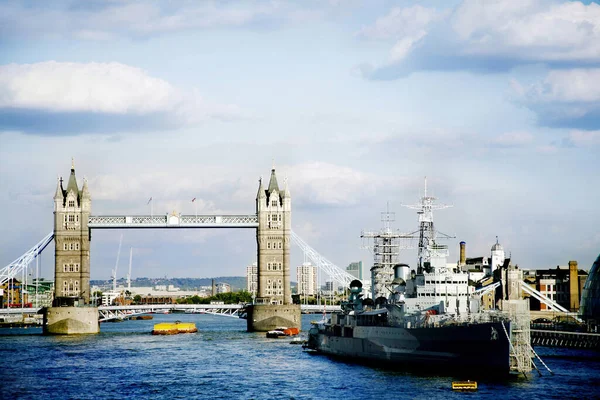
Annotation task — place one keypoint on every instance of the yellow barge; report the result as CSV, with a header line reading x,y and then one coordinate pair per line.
x,y
464,385
173,328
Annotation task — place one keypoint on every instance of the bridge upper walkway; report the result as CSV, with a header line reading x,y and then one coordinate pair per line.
x,y
172,221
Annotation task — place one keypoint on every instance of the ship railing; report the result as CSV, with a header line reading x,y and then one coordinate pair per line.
x,y
445,320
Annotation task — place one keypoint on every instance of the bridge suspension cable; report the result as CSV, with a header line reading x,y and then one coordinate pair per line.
x,y
336,273
21,263
486,289
549,302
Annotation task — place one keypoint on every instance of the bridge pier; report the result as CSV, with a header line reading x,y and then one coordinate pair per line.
x,y
266,317
70,320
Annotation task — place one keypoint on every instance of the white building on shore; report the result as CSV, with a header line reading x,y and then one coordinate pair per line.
x,y
252,278
307,279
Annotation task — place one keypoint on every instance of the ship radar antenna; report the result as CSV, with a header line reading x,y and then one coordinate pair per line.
x,y
428,246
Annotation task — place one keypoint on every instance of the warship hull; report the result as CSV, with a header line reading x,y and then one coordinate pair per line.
x,y
480,347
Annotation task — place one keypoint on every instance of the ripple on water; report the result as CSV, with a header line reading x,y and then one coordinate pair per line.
x,y
224,361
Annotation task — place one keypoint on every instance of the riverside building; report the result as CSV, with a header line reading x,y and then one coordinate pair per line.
x,y
252,278
307,279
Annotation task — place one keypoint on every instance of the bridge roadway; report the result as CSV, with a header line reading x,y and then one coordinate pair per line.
x,y
556,338
107,313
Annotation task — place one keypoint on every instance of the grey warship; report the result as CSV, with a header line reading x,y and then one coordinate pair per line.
x,y
428,317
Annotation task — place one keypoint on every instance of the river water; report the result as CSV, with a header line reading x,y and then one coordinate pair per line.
x,y
223,361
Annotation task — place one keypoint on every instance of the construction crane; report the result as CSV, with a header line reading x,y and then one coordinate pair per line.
x,y
114,271
129,274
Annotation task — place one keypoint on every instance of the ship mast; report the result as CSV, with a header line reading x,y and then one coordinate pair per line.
x,y
428,248
386,246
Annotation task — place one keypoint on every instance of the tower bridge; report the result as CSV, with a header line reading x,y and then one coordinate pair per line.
x,y
72,233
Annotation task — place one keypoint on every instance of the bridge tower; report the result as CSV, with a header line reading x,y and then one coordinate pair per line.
x,y
273,208
273,305
71,236
72,209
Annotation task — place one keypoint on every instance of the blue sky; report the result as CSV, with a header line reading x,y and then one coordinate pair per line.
x,y
496,102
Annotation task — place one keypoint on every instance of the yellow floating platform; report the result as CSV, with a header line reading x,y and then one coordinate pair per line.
x,y
173,328
464,385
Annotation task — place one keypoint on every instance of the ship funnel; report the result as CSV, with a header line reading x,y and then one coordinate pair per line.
x,y
463,253
401,271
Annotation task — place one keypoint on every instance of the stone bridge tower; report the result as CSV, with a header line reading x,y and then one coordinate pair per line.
x,y
72,209
273,305
273,208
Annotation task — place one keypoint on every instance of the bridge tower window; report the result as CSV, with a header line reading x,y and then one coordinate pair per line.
x,y
71,203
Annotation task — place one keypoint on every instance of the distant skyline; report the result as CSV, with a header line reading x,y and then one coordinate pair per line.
x,y
354,102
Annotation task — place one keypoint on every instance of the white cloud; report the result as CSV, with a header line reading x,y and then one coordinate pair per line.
x,y
107,20
547,149
401,22
584,138
567,86
219,189
406,26
513,139
564,98
404,46
95,87
493,35
321,183
106,88
556,31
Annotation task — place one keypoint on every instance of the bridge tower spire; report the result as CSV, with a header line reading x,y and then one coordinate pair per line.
x,y
72,208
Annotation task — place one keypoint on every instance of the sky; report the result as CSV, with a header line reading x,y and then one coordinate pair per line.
x,y
497,103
